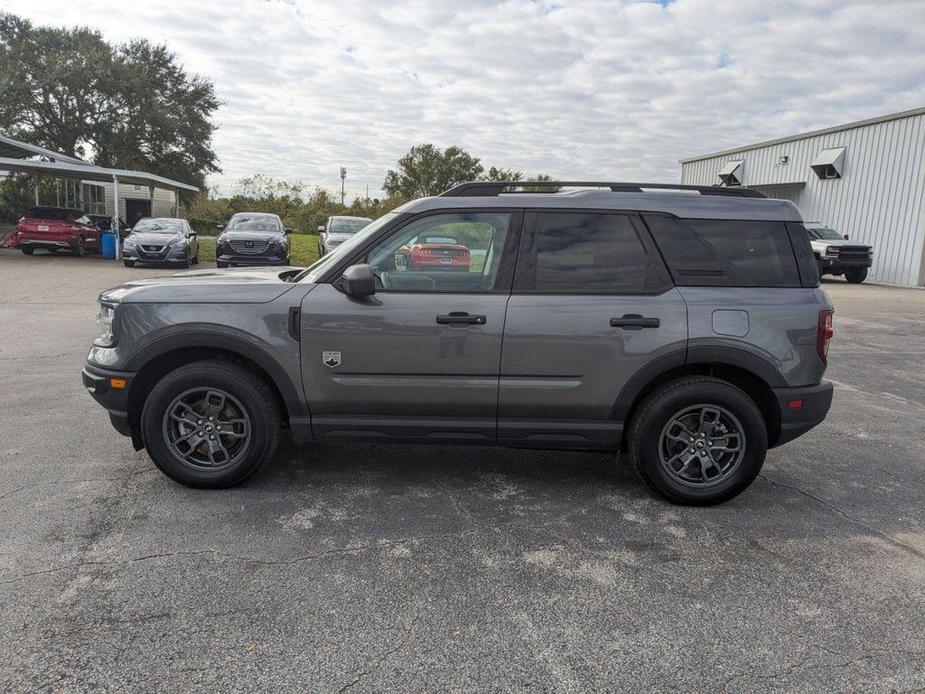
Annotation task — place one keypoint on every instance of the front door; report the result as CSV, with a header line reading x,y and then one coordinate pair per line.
x,y
420,358
592,305
135,210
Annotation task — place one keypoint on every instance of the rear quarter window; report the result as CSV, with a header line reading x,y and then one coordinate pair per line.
x,y
710,252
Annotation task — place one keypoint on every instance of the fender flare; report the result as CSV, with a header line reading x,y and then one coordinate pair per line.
x,y
725,356
179,337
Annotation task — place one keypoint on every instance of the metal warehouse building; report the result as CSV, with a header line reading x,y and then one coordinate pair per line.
x,y
864,179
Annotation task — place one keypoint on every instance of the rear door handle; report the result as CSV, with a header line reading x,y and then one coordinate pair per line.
x,y
460,318
634,321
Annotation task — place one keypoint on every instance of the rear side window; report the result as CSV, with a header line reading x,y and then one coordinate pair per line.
x,y
586,253
709,252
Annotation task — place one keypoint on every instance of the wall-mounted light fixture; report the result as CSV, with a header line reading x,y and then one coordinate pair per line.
x,y
783,159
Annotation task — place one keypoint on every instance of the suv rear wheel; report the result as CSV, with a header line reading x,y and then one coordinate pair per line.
x,y
210,424
26,249
698,441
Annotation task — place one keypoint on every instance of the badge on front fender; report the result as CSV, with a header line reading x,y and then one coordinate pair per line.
x,y
330,359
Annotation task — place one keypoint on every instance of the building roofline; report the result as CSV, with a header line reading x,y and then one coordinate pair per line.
x,y
89,172
811,133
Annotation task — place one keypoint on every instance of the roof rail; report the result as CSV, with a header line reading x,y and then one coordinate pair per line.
x,y
485,189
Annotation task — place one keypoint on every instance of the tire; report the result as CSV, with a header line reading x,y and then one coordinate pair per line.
x,y
196,260
28,250
188,261
247,397
80,247
651,450
128,263
220,264
856,275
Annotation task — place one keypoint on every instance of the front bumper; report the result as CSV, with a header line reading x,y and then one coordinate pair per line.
x,y
110,389
801,409
171,256
832,264
235,259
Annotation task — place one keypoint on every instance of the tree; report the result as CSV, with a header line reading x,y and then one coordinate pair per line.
x,y
126,106
496,174
425,170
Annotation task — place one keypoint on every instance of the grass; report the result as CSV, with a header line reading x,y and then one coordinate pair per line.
x,y
304,249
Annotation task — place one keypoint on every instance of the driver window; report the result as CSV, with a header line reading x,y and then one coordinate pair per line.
x,y
443,252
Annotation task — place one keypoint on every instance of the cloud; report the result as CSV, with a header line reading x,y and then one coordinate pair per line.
x,y
605,90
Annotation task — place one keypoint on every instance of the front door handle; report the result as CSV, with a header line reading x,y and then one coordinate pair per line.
x,y
460,318
634,321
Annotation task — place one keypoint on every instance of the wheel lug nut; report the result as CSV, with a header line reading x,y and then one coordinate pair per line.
x,y
199,422
693,451
211,438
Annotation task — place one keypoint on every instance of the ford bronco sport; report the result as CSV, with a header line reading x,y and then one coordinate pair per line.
x,y
684,327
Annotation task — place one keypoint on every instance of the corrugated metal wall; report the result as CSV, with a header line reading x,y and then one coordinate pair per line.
x,y
162,204
880,199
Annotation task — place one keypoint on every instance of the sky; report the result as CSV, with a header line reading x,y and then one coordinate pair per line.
x,y
578,90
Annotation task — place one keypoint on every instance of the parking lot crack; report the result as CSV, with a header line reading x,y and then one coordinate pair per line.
x,y
886,537
380,659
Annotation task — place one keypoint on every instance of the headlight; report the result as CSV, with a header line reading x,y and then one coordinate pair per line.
x,y
221,239
831,250
128,242
106,317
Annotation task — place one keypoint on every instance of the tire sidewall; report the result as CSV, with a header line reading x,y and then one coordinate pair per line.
x,y
646,436
259,448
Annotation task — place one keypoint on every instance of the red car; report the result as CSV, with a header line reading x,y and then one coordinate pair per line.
x,y
436,253
56,228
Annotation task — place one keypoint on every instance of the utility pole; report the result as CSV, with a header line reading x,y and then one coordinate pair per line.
x,y
343,177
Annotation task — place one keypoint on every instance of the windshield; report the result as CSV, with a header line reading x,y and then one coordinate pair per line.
x,y
826,234
158,226
348,226
314,271
245,222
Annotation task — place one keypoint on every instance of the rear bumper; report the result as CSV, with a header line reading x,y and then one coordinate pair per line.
x,y
801,409
99,383
41,242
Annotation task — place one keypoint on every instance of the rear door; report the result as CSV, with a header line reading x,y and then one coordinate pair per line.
x,y
592,306
421,357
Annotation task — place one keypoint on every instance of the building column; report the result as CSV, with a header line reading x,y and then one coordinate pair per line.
x,y
176,203
38,182
151,200
115,215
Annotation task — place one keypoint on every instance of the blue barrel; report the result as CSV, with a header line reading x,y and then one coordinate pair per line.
x,y
108,245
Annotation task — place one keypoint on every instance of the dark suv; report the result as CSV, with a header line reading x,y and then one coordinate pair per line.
x,y
253,238
685,328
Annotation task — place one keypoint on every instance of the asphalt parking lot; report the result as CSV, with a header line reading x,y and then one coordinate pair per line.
x,y
364,568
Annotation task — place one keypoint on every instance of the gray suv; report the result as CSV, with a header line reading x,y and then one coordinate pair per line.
x,y
683,327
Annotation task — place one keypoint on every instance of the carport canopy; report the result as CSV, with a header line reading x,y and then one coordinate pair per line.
x,y
67,167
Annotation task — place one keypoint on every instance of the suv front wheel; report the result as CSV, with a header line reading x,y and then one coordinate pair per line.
x,y
210,424
698,441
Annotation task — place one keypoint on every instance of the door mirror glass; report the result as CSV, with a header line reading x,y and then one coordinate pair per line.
x,y
321,228
358,280
219,226
288,230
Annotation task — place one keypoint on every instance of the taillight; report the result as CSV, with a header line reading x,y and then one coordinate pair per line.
x,y
824,332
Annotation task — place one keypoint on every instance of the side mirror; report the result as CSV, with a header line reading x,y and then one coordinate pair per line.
x,y
191,235
219,226
288,230
846,237
358,280
321,228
